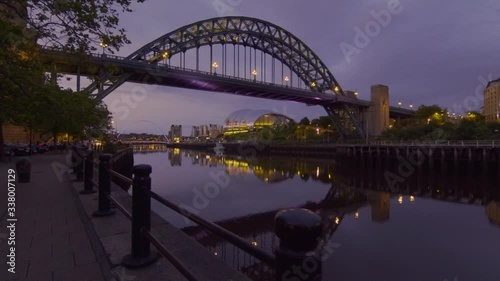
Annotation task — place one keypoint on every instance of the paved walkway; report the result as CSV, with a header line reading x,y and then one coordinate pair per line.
x,y
53,237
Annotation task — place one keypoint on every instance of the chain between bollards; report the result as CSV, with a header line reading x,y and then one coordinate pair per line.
x,y
141,254
104,186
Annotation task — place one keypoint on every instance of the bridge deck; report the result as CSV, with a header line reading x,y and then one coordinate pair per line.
x,y
138,71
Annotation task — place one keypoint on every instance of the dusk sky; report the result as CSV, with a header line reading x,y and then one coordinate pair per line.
x,y
430,52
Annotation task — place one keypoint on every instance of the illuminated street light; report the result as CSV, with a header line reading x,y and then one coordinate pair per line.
x,y
336,89
254,73
165,55
215,65
411,106
104,46
400,199
286,80
356,94
399,104
356,215
313,84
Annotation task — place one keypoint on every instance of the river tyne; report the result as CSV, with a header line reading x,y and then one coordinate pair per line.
x,y
382,222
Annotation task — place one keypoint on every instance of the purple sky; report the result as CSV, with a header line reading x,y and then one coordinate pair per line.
x,y
430,52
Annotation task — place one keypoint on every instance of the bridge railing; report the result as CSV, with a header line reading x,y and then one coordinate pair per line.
x,y
167,66
298,230
440,143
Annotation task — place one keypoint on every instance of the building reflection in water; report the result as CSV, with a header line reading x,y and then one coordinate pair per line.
x,y
175,157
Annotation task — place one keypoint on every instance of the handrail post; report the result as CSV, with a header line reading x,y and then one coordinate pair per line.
x,y
104,187
89,173
299,231
141,219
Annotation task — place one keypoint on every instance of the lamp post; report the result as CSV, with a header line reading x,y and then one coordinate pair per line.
x,y
254,73
104,46
411,106
286,81
215,65
399,104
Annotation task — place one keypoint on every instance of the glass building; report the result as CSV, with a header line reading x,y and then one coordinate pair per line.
x,y
249,120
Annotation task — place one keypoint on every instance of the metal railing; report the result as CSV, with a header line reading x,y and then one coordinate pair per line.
x,y
298,230
428,143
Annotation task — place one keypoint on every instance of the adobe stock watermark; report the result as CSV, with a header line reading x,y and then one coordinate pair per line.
x,y
310,264
409,164
202,197
475,101
363,36
226,7
122,106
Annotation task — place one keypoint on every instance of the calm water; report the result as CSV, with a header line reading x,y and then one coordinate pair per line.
x,y
436,223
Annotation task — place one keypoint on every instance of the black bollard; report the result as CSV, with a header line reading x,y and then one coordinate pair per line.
x,y
79,165
23,168
73,159
88,188
141,254
104,187
299,231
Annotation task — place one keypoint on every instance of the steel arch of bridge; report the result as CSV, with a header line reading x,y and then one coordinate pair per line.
x,y
250,32
253,33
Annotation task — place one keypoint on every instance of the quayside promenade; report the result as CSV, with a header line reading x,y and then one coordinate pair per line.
x,y
58,239
54,240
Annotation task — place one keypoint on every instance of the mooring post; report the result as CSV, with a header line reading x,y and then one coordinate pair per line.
x,y
141,254
299,231
104,187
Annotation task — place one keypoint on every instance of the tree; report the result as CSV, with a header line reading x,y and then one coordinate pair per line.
x,y
325,122
425,112
69,112
71,25
305,121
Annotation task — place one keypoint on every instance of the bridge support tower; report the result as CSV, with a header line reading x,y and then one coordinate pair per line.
x,y
376,119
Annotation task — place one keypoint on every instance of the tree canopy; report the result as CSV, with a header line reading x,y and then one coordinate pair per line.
x,y
70,25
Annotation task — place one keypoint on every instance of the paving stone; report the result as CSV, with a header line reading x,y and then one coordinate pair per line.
x,y
84,257
59,262
39,276
88,272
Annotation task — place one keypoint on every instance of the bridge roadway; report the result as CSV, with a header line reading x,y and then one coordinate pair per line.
x,y
143,72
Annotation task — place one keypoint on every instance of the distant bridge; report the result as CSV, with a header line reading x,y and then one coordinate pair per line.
x,y
284,68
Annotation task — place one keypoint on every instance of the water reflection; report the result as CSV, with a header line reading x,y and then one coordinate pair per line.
x,y
439,209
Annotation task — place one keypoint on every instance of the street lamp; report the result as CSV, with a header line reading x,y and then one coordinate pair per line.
x,y
104,46
215,65
254,73
399,104
313,84
336,89
356,94
286,80
411,106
